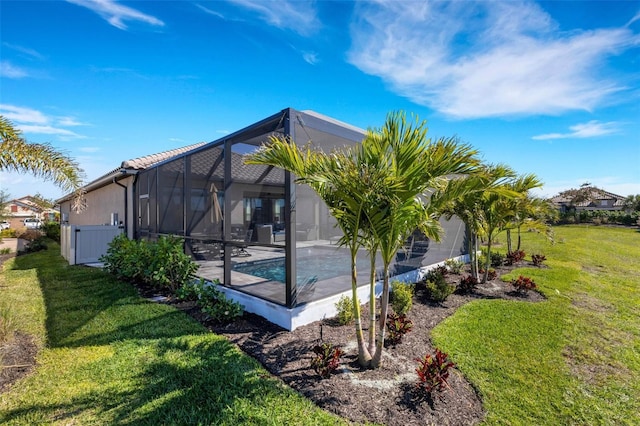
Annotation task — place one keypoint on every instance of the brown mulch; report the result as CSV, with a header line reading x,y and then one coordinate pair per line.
x,y
385,395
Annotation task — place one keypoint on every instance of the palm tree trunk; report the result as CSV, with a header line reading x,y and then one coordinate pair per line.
x,y
509,241
519,239
487,262
376,361
372,303
364,356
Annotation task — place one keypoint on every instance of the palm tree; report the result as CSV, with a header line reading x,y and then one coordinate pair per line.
x,y
522,208
42,160
378,192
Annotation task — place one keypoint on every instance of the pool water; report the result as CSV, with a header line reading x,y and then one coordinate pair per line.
x,y
311,268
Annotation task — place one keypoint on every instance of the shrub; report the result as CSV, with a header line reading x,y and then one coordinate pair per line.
x,y
523,284
51,230
514,257
433,372
211,301
438,290
29,234
398,325
454,266
8,233
160,264
127,259
401,297
537,259
497,259
326,360
37,244
438,270
344,307
492,274
5,250
467,284
170,267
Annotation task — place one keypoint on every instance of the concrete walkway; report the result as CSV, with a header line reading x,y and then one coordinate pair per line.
x,y
13,244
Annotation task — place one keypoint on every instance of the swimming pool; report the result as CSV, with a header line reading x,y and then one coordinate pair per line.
x,y
318,267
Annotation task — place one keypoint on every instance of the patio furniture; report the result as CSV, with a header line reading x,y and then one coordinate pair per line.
x,y
240,250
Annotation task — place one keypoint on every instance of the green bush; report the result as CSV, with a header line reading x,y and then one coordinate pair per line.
x,y
8,233
51,230
401,297
211,301
160,264
35,245
344,306
455,266
438,289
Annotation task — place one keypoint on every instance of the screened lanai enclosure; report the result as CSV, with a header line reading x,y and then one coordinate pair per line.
x,y
253,228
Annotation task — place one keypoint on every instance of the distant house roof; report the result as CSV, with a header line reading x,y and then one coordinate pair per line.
x,y
595,196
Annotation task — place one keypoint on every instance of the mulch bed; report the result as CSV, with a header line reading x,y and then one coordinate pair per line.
x,y
385,395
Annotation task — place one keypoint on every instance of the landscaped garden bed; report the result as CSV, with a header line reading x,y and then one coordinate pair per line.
x,y
355,393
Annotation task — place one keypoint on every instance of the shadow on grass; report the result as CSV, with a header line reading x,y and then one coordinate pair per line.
x,y
212,384
86,306
162,367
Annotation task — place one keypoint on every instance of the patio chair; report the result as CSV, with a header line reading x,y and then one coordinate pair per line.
x,y
240,250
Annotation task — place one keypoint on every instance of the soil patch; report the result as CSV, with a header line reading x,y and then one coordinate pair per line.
x,y
17,359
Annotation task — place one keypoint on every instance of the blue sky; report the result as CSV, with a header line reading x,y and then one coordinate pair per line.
x,y
551,88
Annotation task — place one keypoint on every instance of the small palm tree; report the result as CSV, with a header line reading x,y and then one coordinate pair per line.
x,y
42,160
378,192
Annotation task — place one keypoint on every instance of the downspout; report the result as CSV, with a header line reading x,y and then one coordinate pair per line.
x,y
126,204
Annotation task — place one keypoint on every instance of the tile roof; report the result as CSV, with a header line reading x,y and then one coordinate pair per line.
x,y
595,194
147,161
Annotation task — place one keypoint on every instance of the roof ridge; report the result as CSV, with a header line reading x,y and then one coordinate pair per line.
x,y
149,160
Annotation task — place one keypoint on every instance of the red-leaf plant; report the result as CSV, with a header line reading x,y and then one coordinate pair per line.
x,y
327,359
537,259
398,326
433,372
523,284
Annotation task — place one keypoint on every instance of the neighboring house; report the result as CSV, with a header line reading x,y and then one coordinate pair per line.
x,y
597,199
23,208
269,241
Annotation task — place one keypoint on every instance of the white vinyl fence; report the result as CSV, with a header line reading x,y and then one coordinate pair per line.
x,y
86,243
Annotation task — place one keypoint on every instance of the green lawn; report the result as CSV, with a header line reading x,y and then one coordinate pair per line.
x,y
110,357
573,359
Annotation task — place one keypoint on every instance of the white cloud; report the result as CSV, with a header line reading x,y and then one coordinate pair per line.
x,y
89,149
298,16
484,59
115,14
24,50
590,129
22,115
310,57
29,120
47,130
210,12
8,70
69,122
